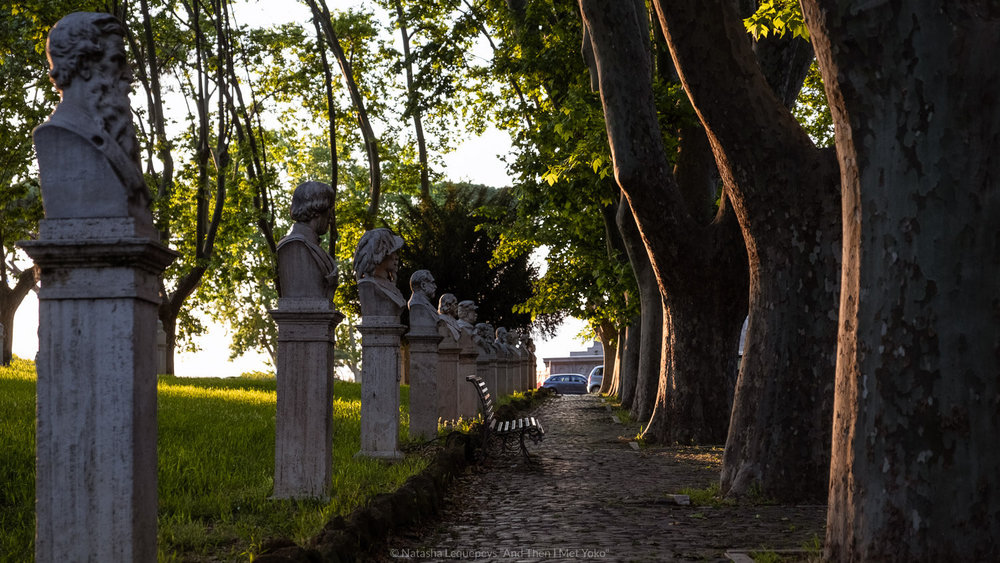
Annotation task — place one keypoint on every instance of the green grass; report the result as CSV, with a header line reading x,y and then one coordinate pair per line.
x,y
709,496
216,465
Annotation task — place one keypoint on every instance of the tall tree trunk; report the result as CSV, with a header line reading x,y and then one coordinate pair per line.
x,y
208,218
608,336
611,384
10,300
321,12
700,268
630,362
915,472
788,210
413,105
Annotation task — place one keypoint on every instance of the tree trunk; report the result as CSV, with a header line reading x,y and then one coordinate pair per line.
x,y
915,471
413,105
699,268
651,314
609,383
785,193
630,363
10,300
322,12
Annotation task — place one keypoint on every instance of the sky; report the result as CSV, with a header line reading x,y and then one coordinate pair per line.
x,y
477,160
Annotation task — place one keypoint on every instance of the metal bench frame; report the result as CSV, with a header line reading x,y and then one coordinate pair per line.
x,y
505,430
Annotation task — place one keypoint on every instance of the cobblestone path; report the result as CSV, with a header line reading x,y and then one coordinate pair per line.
x,y
594,497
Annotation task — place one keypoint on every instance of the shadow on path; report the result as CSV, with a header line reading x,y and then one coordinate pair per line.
x,y
593,497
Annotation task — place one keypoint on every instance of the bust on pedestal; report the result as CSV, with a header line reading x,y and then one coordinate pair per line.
x,y
375,267
423,339
448,351
100,262
307,278
468,399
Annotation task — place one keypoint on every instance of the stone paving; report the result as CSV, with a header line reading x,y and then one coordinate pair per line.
x,y
594,497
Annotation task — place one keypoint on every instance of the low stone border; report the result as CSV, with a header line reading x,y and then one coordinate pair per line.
x,y
345,540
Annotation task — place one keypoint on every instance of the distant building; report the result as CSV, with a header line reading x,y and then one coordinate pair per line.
x,y
576,362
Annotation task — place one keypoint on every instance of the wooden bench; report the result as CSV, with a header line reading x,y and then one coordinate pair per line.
x,y
505,430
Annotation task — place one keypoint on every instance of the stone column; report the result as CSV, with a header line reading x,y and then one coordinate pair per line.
x,y
468,399
95,438
303,444
484,372
504,383
424,400
515,368
380,379
447,375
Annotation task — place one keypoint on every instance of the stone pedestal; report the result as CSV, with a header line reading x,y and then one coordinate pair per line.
x,y
96,476
494,369
303,441
447,376
423,384
468,398
505,385
515,369
380,376
485,371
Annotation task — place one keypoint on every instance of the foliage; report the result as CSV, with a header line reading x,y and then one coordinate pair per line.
x,y
777,17
216,464
448,236
812,111
541,94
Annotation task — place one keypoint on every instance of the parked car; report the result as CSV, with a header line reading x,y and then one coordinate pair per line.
x,y
568,383
595,379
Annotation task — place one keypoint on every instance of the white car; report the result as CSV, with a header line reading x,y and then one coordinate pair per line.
x,y
594,379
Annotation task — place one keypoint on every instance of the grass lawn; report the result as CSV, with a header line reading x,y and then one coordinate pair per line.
x,y
216,465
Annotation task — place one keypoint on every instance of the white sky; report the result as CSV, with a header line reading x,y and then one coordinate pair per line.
x,y
476,160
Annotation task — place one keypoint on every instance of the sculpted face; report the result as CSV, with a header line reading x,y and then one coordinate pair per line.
x,y
467,312
108,82
388,267
429,288
448,305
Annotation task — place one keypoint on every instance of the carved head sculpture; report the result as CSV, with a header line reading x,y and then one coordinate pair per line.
x,y
422,282
484,332
89,68
448,305
467,311
375,256
501,335
313,203
527,343
513,338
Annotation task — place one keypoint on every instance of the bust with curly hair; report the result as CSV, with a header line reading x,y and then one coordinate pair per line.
x,y
375,265
305,269
91,136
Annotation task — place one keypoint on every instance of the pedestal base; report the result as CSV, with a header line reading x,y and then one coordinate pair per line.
x,y
303,446
96,476
380,389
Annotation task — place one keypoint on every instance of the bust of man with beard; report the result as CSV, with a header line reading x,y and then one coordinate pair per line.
x,y
88,155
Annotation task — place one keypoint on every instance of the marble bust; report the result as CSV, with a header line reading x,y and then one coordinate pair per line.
x,y
527,343
467,315
88,154
447,311
484,338
423,316
501,340
305,269
375,265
